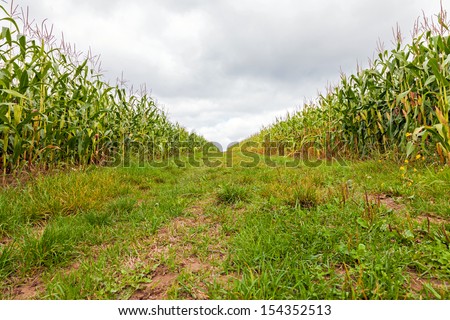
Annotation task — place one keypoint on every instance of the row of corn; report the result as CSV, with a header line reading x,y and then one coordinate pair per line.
x,y
54,110
400,103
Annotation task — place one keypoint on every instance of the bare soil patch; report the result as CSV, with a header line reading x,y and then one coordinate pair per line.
x,y
387,201
5,241
194,265
432,218
28,290
162,280
180,240
417,283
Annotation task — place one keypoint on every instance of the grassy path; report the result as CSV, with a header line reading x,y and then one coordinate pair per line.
x,y
369,230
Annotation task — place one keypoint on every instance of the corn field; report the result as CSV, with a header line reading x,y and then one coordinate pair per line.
x,y
56,109
400,103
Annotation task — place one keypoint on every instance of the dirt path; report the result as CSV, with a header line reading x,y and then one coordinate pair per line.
x,y
188,254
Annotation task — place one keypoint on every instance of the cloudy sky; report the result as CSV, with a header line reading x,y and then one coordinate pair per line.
x,y
225,68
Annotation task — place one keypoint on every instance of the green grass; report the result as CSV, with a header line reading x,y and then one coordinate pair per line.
x,y
369,230
231,194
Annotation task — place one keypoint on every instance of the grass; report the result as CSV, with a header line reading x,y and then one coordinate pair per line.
x,y
369,230
231,194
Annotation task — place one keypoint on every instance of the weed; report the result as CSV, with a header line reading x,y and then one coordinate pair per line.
x,y
303,194
231,194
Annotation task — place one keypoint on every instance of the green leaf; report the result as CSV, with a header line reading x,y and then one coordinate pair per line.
x,y
361,249
402,95
410,147
363,223
430,80
431,289
14,93
24,80
408,235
